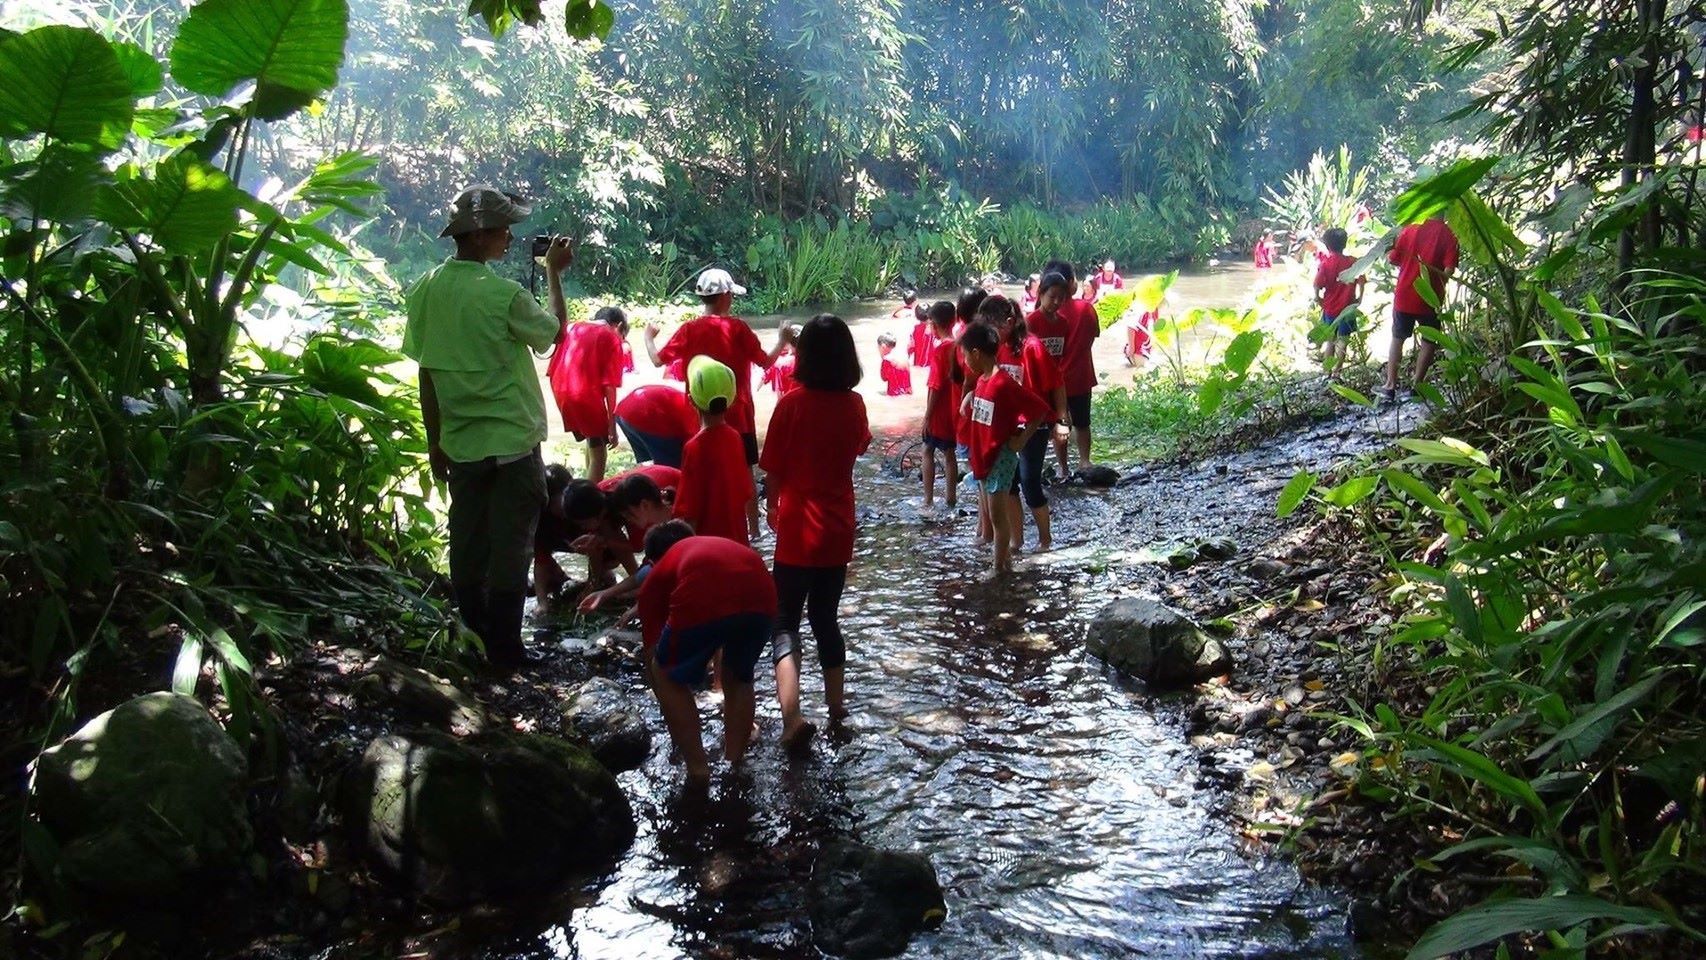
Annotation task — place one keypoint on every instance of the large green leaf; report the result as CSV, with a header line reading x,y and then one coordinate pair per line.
x,y
1437,193
67,83
585,19
1490,921
145,73
290,49
185,207
58,185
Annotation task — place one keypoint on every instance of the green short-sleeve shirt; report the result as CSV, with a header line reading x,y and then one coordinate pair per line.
x,y
472,330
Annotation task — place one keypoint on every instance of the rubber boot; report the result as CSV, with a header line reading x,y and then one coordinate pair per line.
x,y
503,638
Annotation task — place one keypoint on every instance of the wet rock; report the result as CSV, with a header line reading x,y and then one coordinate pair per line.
x,y
1146,638
1265,569
1136,476
600,712
423,696
491,816
1256,717
1099,477
866,902
1217,548
144,800
1181,556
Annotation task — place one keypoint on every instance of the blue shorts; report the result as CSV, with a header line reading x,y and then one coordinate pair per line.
x,y
1341,328
684,655
962,451
1004,476
651,448
938,443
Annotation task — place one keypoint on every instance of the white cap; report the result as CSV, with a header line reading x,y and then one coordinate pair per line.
x,y
716,281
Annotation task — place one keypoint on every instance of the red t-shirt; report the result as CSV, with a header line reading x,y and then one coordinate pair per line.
x,y
922,340
1430,246
809,450
627,357
667,478
727,340
1105,281
780,376
1033,368
968,380
1078,367
715,484
1335,295
942,419
897,378
997,406
1263,255
586,363
700,580
660,411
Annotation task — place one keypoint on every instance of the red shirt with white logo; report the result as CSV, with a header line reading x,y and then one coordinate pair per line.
x,y
586,363
727,340
942,420
716,484
809,450
997,407
701,580
1033,368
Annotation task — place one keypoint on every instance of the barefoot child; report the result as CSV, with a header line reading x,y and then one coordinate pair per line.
x,y
1336,298
815,436
715,480
997,435
965,312
703,596
585,371
1025,359
941,407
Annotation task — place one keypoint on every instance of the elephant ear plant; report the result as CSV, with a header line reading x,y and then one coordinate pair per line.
x,y
165,479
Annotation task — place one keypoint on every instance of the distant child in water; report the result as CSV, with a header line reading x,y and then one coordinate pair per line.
x,y
941,406
997,435
898,379
908,308
1336,298
1263,254
780,376
923,340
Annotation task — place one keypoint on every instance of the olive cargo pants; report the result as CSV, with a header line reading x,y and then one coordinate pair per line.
x,y
494,510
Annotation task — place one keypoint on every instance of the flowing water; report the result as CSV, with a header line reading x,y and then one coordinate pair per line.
x,y
1064,811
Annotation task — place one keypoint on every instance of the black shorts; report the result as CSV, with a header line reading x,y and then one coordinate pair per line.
x,y
750,441
1078,408
1404,323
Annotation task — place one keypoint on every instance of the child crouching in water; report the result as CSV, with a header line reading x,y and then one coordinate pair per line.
x,y
896,378
997,407
703,596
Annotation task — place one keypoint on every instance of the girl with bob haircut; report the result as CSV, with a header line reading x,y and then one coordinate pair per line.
x,y
815,436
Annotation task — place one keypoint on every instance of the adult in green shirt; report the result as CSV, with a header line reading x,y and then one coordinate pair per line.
x,y
474,334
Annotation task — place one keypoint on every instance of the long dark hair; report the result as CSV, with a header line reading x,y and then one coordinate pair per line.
x,y
998,310
824,356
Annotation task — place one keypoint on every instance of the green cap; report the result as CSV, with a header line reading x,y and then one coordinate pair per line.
x,y
708,381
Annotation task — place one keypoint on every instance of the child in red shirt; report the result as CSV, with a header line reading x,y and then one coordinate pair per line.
x,y
658,421
716,483
584,373
1004,416
1336,298
898,379
923,339
639,500
1025,359
703,596
1263,254
965,313
941,407
780,376
815,436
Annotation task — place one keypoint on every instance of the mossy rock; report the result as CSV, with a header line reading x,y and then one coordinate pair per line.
x,y
1147,639
145,800
488,817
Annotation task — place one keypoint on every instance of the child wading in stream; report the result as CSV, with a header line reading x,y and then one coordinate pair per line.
x,y
815,436
1025,359
703,596
965,311
942,406
715,480
584,372
997,406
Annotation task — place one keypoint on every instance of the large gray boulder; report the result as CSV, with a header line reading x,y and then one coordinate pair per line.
x,y
487,817
602,714
422,696
1147,639
866,902
144,800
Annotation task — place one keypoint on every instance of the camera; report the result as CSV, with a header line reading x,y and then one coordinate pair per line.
x,y
541,245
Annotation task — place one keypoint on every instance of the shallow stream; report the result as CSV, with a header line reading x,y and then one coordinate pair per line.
x,y
1064,810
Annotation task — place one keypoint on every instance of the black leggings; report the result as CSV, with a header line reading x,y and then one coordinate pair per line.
x,y
1031,468
817,592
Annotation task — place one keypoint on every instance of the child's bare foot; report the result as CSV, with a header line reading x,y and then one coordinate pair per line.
x,y
1044,546
798,737
698,774
839,712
